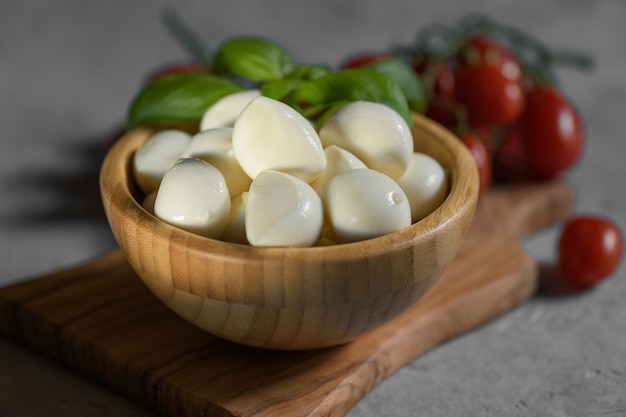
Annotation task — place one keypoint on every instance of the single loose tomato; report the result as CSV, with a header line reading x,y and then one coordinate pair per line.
x,y
489,83
590,249
482,157
553,133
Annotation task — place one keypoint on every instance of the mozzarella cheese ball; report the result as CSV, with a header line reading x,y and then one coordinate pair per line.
x,y
363,203
148,202
375,133
338,160
215,146
235,231
282,210
425,184
225,111
269,134
156,156
193,196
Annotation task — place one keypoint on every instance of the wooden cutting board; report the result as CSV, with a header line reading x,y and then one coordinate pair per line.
x,y
99,318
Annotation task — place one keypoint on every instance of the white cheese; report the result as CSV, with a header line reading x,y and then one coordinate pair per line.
x,y
338,160
375,133
193,196
148,202
269,134
425,184
215,146
225,111
363,203
282,210
156,156
235,231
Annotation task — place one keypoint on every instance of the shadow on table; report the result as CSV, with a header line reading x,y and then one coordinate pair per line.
x,y
54,196
552,283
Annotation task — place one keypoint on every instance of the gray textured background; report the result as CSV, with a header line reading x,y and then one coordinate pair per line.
x,y
68,70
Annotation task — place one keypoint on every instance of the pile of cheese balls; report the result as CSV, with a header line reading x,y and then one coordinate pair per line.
x,y
259,173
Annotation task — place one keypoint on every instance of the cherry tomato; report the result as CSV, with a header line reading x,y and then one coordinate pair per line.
x,y
553,133
363,60
590,249
489,83
438,77
177,69
482,48
509,162
482,157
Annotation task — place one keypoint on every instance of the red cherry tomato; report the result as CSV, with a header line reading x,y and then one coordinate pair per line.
x,y
177,69
590,249
488,97
482,48
489,83
553,132
509,162
363,60
482,157
438,77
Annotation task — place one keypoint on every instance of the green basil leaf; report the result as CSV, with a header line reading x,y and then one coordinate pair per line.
x,y
279,89
283,88
308,72
177,98
407,79
320,114
354,85
253,58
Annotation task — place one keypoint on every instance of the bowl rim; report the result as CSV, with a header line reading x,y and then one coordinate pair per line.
x,y
116,188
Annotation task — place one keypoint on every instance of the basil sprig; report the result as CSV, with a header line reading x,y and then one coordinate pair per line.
x,y
286,89
250,62
354,85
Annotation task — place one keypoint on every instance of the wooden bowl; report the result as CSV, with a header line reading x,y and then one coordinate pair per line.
x,y
291,298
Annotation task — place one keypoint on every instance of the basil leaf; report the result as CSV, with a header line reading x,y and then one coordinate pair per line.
x,y
409,82
282,89
354,85
308,72
253,58
320,114
279,89
177,98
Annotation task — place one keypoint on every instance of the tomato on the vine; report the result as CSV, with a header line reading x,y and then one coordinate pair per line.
x,y
482,156
438,76
482,48
553,132
590,248
509,162
489,83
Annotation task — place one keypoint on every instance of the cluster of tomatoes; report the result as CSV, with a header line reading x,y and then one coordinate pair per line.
x,y
507,108
518,128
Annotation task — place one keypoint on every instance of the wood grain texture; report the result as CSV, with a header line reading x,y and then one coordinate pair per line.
x,y
99,318
292,298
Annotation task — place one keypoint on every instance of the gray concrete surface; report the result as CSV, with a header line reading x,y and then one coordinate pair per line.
x,y
68,70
